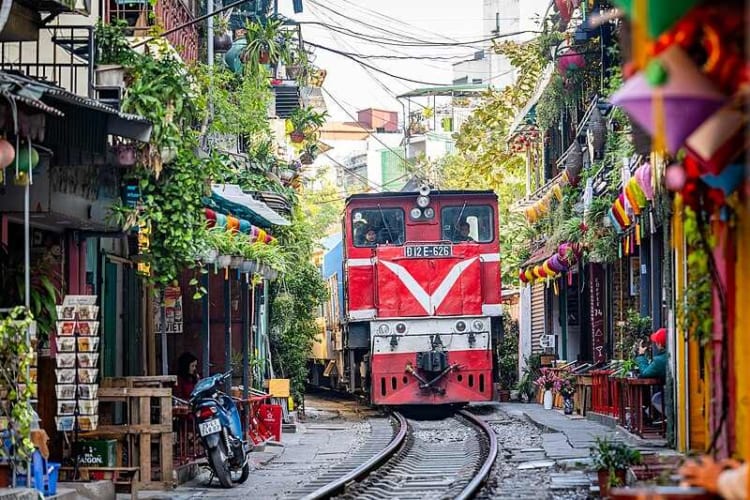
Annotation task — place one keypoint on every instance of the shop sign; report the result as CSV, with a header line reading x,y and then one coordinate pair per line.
x,y
170,308
598,337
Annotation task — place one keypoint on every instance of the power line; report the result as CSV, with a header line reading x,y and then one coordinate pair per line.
x,y
375,68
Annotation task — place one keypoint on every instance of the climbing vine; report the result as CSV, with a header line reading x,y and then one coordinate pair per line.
x,y
695,310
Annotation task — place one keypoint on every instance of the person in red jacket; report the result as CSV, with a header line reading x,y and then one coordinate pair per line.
x,y
187,375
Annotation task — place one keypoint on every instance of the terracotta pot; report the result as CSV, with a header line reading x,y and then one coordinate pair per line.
x,y
264,57
5,476
503,395
297,136
222,43
603,476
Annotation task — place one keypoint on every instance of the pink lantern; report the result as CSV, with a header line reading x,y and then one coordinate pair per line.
x,y
571,60
7,153
687,97
643,176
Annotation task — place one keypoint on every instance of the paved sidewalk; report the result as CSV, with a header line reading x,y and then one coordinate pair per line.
x,y
568,438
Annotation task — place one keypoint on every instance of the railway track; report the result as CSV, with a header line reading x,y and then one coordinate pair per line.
x,y
421,459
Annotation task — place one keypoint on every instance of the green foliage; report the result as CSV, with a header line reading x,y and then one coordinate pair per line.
x,y
695,308
531,373
293,311
16,357
507,353
112,46
266,43
612,456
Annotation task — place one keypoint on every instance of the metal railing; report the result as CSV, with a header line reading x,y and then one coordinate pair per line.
x,y
167,14
61,56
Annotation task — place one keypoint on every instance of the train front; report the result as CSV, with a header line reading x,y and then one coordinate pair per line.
x,y
428,292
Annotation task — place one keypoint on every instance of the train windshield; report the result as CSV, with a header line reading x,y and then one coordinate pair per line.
x,y
377,226
467,223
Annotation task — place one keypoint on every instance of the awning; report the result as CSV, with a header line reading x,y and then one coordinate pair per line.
x,y
544,80
466,90
43,96
540,255
231,199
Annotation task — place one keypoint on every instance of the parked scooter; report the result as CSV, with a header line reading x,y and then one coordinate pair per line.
x,y
220,429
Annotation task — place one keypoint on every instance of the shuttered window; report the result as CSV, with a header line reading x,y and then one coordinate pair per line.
x,y
537,317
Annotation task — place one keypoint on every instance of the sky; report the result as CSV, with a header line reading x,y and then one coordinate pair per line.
x,y
355,87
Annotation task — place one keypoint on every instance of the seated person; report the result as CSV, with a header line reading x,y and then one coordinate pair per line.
x,y
371,237
187,375
463,233
657,368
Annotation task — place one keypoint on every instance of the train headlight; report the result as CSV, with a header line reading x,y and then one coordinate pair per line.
x,y
415,213
384,329
477,325
429,213
423,201
460,326
400,327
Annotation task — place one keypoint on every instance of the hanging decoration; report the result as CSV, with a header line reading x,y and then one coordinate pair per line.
x,y
673,95
7,153
237,226
655,16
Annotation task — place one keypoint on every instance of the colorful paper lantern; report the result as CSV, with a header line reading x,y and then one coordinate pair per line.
x,y
233,224
522,276
728,180
221,220
7,153
27,158
529,274
643,176
658,15
570,61
615,223
686,100
720,138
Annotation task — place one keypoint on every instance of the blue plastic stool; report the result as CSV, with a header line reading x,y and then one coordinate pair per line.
x,y
44,475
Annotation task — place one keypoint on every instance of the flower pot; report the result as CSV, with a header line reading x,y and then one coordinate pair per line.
x,y
168,154
209,256
293,72
306,159
222,43
515,395
223,260
297,136
503,395
264,57
235,262
5,476
568,405
548,399
604,479
110,75
247,266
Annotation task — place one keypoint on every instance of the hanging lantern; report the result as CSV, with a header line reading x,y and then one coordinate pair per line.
x,y
672,95
658,15
522,276
597,133
529,274
643,176
574,163
7,153
28,158
570,61
720,138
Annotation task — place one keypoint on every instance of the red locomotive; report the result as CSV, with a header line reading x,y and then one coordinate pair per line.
x,y
421,294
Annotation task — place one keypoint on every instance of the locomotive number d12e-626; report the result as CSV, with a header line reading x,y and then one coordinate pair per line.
x,y
414,307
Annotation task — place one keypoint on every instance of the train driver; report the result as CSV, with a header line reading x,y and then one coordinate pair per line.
x,y
463,233
371,237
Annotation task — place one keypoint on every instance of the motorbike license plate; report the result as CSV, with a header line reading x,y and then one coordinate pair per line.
x,y
209,427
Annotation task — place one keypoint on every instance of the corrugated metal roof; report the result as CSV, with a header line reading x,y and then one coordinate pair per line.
x,y
30,92
230,197
464,90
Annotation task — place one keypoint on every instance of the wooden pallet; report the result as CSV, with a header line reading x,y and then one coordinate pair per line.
x,y
144,428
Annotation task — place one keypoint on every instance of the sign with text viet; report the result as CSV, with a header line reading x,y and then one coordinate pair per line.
x,y
598,337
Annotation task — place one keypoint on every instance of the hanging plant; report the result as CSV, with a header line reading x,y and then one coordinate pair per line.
x,y
16,358
695,310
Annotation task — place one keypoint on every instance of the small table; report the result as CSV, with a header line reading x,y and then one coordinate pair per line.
x,y
583,393
633,396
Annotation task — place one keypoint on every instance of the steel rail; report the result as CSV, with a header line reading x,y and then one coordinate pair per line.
x,y
339,485
481,476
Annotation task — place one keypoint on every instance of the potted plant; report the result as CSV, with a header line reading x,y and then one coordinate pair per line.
x,y
222,35
265,43
226,246
304,123
298,66
611,461
507,353
547,381
526,387
113,53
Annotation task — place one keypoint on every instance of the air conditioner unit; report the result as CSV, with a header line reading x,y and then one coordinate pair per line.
x,y
547,341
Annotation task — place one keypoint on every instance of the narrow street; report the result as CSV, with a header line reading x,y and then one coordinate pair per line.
x,y
543,454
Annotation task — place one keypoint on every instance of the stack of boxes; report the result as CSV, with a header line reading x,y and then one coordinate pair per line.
x,y
77,362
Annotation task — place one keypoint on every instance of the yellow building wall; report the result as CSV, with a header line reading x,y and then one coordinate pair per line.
x,y
742,336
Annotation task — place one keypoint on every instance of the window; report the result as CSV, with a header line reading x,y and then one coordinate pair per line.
x,y
467,223
385,225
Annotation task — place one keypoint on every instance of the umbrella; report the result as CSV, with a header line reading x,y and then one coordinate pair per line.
x,y
658,15
686,97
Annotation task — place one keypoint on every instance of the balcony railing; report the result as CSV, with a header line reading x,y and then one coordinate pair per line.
x,y
167,14
61,56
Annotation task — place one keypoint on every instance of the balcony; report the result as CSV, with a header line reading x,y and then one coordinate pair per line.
x,y
67,64
27,17
141,16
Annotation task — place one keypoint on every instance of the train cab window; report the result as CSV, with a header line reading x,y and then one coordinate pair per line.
x,y
467,223
377,226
